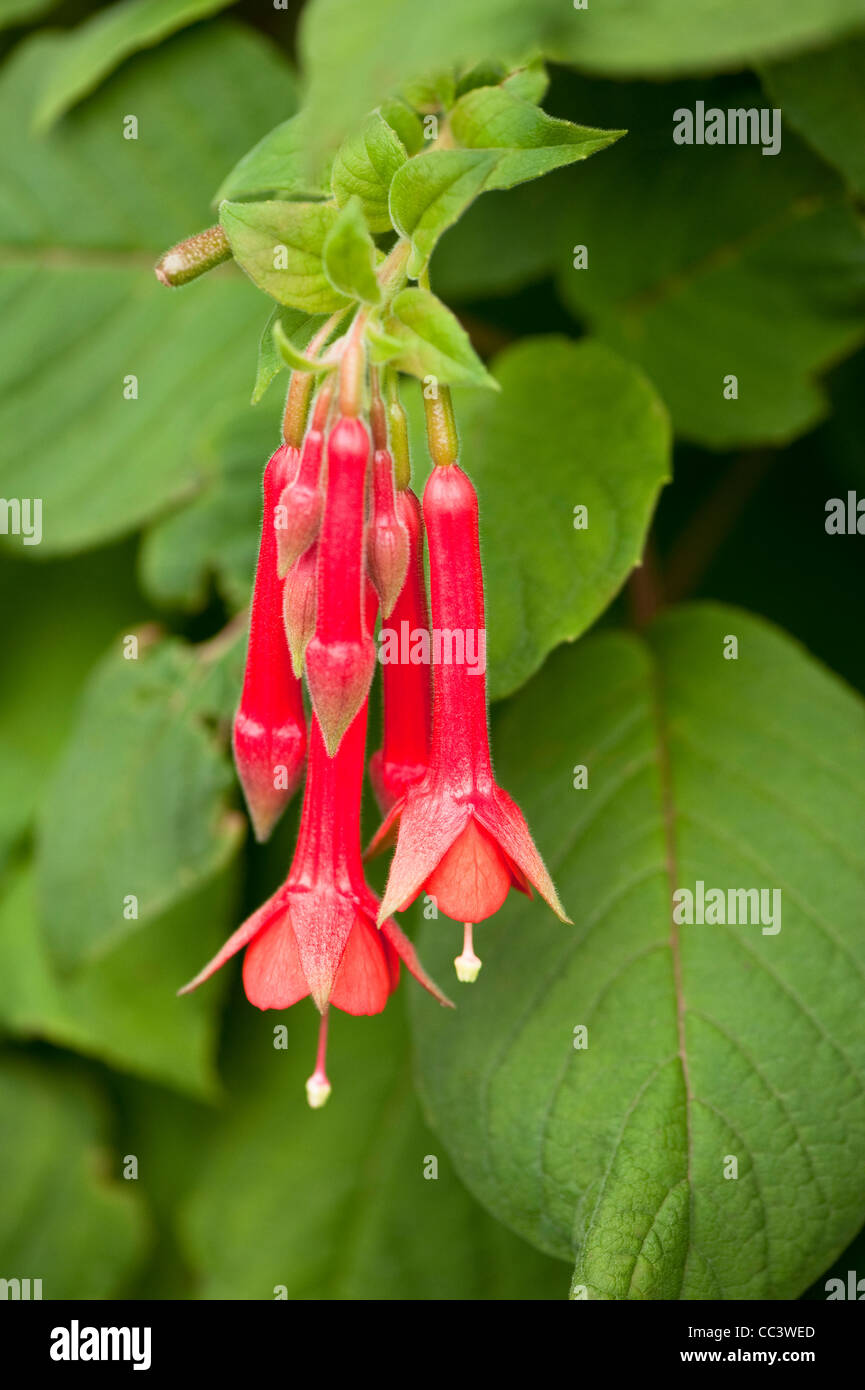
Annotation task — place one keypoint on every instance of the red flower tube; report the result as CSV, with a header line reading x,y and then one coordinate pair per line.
x,y
269,734
461,837
340,658
406,688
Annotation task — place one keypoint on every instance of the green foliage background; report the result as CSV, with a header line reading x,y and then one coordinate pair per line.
x,y
598,1169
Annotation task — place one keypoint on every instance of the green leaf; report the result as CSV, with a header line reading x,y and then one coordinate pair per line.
x,y
354,55
704,1041
138,807
297,326
215,536
293,358
87,55
65,614
434,343
123,1008
280,165
349,255
432,191
532,143
573,426
821,95
85,215
280,246
335,1204
365,165
21,11
406,122
67,1219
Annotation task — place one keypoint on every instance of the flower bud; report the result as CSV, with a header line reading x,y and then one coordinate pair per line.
x,y
387,540
340,658
298,606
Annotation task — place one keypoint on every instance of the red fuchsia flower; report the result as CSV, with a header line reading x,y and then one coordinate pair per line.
x,y
406,686
340,657
301,503
317,934
461,838
269,734
387,540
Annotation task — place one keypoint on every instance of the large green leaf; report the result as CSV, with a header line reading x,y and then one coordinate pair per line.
x,y
93,50
66,1217
138,807
334,1204
573,426
22,11
821,95
122,1008
705,1042
85,213
355,54
65,614
738,264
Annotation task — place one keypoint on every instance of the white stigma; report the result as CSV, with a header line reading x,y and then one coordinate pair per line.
x,y
468,965
318,1090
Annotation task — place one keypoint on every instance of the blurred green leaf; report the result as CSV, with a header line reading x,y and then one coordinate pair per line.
x,y
138,806
66,1218
434,342
354,55
65,614
573,426
122,1008
366,163
23,11
334,1204
87,54
280,246
85,213
821,95
349,255
216,536
703,1041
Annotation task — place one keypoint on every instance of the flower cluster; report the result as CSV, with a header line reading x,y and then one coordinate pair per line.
x,y
342,540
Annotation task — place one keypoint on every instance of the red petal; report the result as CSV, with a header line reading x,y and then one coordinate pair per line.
x,y
259,920
322,921
364,979
272,973
504,820
473,879
430,823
